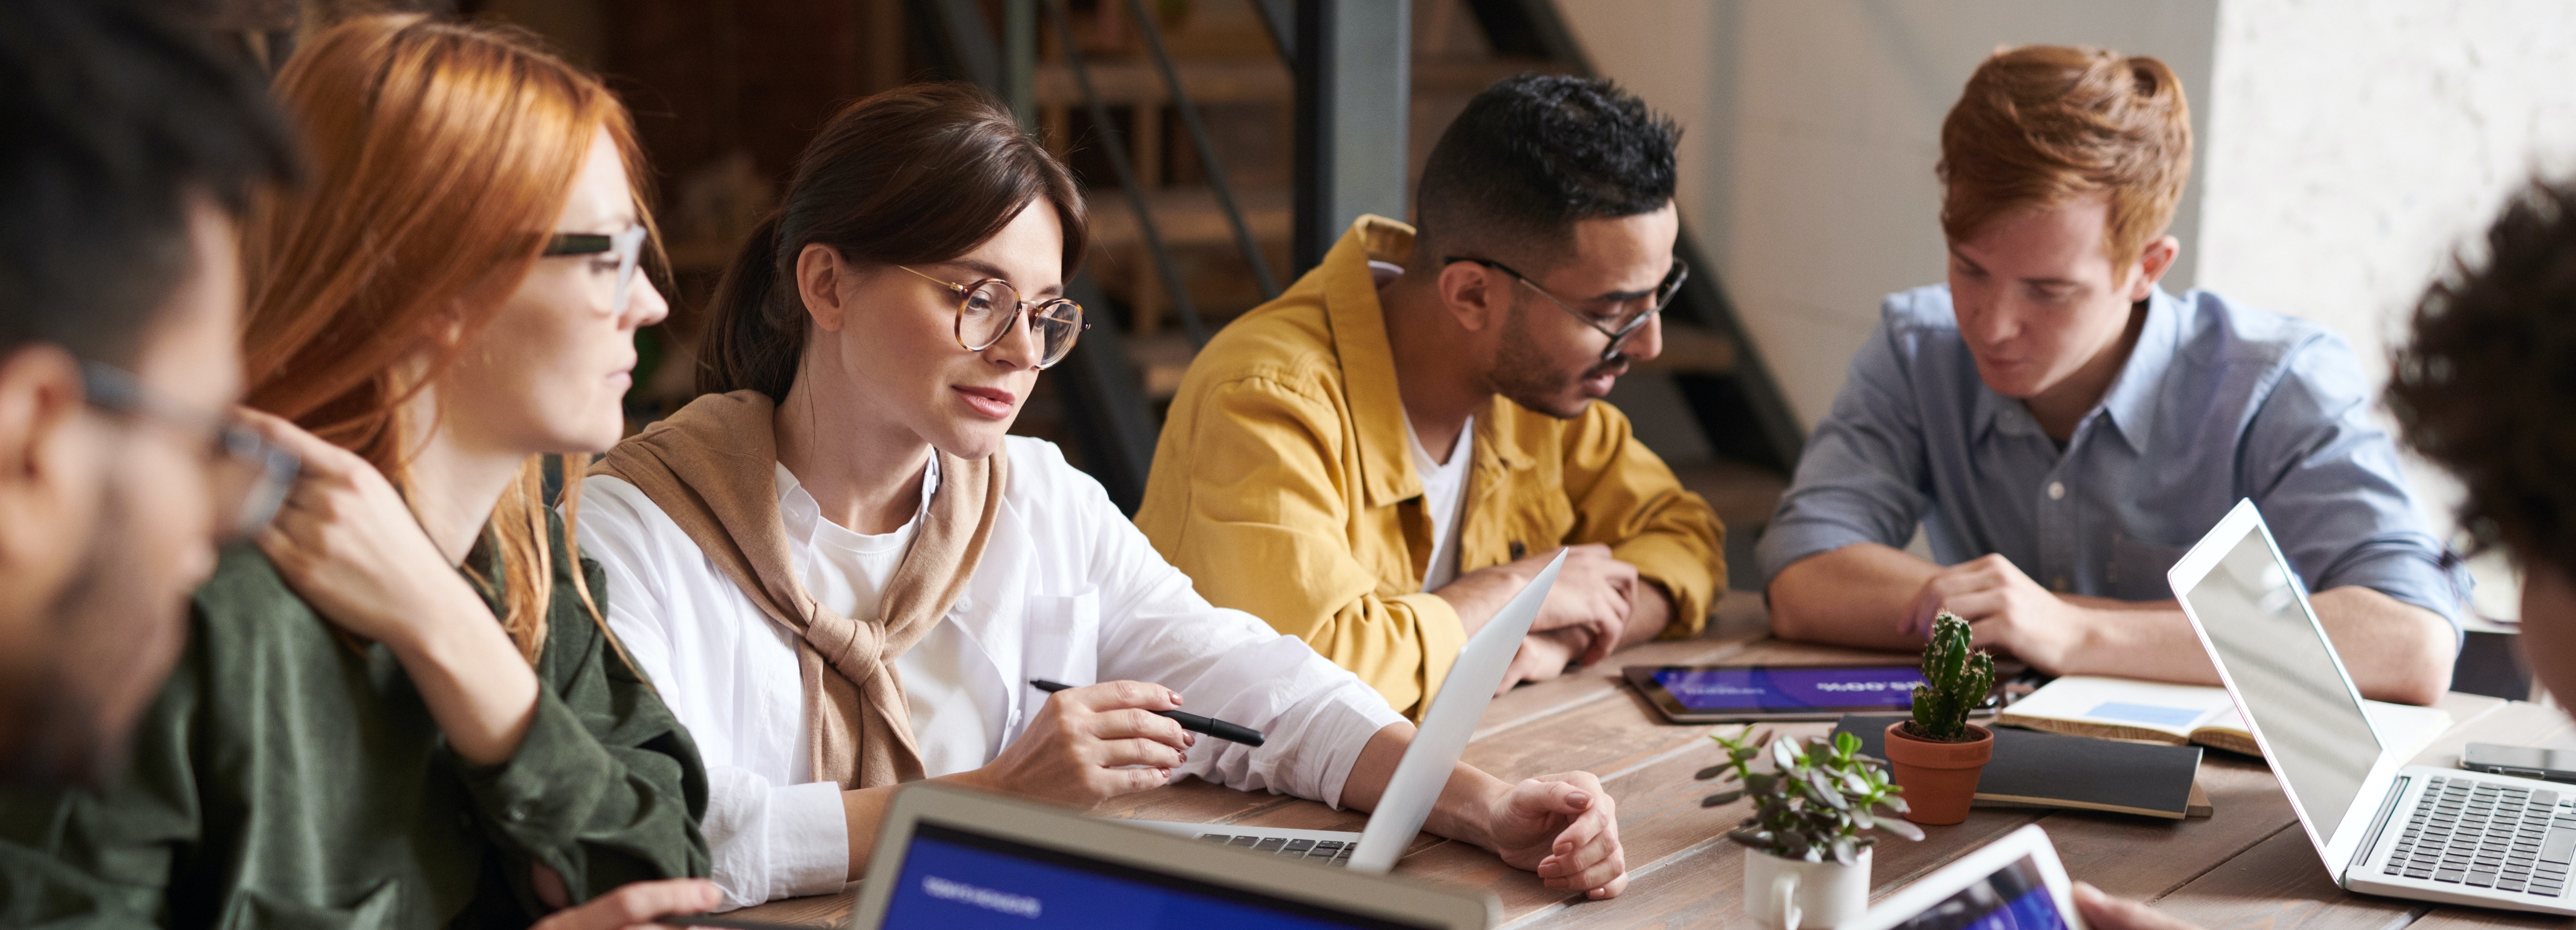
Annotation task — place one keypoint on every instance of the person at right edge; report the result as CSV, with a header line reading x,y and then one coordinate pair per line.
x,y
2062,429
1378,459
2482,389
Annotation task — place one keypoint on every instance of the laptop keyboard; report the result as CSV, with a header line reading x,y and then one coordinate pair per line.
x,y
1328,852
2487,835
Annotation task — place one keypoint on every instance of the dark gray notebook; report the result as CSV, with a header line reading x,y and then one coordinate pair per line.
x,y
2034,769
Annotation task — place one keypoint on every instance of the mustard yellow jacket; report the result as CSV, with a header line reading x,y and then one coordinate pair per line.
x,y
1284,485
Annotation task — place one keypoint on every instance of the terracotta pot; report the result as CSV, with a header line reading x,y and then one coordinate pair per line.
x,y
1939,778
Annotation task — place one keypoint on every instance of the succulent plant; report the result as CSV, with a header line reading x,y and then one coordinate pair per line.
x,y
1821,798
1956,680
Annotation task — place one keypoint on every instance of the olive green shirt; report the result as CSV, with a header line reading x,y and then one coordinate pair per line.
x,y
285,779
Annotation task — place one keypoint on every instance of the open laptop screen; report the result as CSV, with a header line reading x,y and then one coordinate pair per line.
x,y
958,880
2292,690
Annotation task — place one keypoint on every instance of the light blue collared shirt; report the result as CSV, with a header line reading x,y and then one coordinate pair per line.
x,y
2217,402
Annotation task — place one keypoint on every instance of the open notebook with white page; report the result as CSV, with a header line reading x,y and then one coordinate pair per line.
x,y
2123,708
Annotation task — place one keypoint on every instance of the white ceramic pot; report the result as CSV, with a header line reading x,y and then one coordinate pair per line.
x,y
1790,894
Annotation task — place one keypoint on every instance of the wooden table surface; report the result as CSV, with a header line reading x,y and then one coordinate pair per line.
x,y
2250,865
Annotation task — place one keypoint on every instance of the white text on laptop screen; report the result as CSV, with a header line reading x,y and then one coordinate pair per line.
x,y
2315,729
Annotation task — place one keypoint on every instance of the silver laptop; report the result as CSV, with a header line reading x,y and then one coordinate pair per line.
x,y
2382,826
1427,762
957,860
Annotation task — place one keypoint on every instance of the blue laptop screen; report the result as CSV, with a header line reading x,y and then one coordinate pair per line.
x,y
2015,897
955,880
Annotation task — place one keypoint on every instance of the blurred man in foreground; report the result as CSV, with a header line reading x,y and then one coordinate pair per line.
x,y
126,157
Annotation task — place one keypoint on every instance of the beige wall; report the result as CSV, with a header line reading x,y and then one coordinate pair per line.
x,y
2355,144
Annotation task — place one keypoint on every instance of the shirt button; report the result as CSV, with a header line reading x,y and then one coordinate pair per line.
x,y
2059,583
2057,490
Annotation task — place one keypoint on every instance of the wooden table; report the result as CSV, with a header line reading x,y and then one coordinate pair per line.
x,y
2249,865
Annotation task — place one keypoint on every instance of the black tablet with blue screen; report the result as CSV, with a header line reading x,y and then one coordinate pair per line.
x,y
1730,693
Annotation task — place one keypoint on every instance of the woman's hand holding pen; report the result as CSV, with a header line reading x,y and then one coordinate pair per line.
x,y
1089,744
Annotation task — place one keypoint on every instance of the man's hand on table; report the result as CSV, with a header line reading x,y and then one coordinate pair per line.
x,y
1543,656
2104,912
2007,611
1591,598
1563,828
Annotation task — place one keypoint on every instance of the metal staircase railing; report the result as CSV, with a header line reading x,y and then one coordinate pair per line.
x,y
1174,286
1215,167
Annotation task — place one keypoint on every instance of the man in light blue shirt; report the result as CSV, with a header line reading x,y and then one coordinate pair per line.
x,y
2063,430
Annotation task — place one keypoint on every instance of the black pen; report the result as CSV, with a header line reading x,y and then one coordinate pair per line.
x,y
1231,732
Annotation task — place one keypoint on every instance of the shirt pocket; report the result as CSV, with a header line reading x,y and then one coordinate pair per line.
x,y
2137,569
1535,517
1063,639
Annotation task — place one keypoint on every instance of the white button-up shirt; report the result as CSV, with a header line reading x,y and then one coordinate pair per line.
x,y
1068,590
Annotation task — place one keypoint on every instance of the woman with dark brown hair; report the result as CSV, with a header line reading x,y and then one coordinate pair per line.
x,y
403,708
843,575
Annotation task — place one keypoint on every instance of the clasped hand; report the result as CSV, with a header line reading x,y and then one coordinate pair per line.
x,y
2005,609
1583,618
1564,829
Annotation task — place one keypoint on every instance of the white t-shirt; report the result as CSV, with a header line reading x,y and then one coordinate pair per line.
x,y
1444,497
847,573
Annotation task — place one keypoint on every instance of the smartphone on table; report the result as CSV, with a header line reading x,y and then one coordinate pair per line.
x,y
2525,761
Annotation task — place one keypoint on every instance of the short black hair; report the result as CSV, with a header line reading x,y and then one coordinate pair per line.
x,y
2487,386
111,116
1533,154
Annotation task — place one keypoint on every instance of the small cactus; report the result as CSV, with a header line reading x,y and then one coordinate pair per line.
x,y
1956,682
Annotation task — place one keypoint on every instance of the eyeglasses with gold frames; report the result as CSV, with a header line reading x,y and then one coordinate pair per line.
x,y
987,308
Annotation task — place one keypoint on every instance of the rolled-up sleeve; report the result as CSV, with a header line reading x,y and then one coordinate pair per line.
x,y
606,787
1862,476
2330,487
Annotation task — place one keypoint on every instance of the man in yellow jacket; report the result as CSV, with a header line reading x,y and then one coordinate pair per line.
x,y
1377,460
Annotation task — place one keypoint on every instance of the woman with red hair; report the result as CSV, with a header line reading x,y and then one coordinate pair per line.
x,y
403,708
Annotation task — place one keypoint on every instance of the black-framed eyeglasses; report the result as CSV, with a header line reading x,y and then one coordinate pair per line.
x,y
250,476
626,244
1615,318
986,309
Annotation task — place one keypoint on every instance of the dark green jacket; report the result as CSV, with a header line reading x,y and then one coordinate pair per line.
x,y
283,779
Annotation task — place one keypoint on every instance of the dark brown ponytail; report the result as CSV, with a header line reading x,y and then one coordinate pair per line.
x,y
915,175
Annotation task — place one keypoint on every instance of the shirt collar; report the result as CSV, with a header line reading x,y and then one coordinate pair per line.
x,y
2130,404
1358,324
800,515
